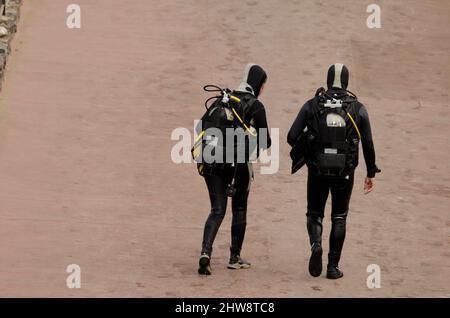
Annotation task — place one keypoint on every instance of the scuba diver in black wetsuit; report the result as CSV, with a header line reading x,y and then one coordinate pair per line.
x,y
219,177
329,128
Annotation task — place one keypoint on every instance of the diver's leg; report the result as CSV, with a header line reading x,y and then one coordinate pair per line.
x,y
341,191
244,175
317,194
217,193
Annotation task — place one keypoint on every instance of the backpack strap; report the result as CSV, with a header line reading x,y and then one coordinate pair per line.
x,y
354,125
241,117
247,104
350,104
315,109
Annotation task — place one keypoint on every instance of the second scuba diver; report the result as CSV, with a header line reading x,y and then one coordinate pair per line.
x,y
219,177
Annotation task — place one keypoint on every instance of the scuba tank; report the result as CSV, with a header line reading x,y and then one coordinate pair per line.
x,y
333,135
226,120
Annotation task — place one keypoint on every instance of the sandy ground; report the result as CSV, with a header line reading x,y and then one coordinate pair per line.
x,y
85,170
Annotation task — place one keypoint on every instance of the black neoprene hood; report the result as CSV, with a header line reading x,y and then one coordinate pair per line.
x,y
337,76
253,79
256,78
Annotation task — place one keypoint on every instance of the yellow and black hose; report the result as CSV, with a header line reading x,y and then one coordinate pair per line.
x,y
236,99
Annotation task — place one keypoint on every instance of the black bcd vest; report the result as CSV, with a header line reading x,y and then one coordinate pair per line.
x,y
221,117
333,136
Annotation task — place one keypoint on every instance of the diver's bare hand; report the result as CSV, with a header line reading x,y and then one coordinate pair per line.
x,y
369,184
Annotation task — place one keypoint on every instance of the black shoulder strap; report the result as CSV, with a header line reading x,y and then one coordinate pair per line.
x,y
352,110
351,105
315,109
247,102
320,91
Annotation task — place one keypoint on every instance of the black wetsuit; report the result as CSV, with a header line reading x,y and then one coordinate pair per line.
x,y
218,176
217,180
341,188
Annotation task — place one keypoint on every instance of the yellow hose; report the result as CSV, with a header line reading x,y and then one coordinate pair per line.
x,y
354,124
240,119
199,136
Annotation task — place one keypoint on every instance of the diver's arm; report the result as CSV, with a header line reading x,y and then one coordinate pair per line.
x,y
298,126
260,121
367,143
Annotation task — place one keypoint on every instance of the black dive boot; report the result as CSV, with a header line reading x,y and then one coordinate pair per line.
x,y
315,261
236,262
333,271
314,225
204,263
